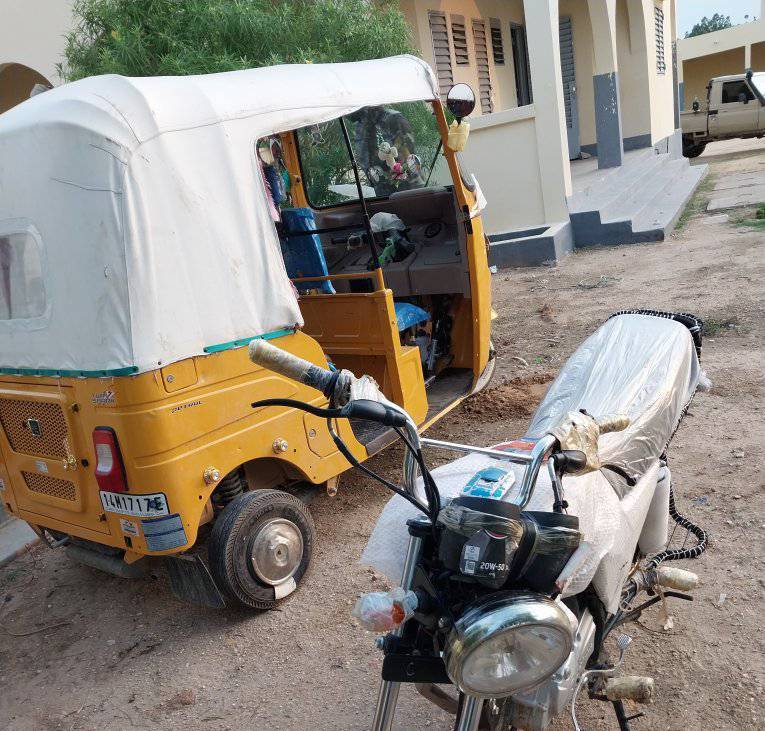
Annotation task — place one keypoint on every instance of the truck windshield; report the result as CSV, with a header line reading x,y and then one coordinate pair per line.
x,y
396,148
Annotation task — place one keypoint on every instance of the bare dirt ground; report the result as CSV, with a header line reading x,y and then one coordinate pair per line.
x,y
79,650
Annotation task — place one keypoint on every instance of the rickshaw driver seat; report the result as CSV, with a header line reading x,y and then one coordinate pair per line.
x,y
303,252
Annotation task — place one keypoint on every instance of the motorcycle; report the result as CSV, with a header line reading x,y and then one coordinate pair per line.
x,y
515,564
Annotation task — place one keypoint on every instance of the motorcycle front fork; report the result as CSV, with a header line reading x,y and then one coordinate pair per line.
x,y
469,713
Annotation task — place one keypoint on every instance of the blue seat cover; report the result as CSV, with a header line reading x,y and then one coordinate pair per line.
x,y
303,254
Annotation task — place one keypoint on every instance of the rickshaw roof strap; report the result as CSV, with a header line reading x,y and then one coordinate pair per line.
x,y
144,204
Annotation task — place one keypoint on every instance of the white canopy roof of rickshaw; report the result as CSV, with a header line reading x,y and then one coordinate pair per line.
x,y
148,208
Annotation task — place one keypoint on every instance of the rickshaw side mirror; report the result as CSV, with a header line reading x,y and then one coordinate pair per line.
x,y
460,101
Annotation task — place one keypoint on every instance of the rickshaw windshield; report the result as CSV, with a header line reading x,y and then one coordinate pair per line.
x,y
396,147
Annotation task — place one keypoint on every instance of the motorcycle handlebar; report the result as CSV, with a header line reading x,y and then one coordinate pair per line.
x,y
279,361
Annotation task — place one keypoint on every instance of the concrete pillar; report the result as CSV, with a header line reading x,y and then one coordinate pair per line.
x,y
747,56
542,30
608,118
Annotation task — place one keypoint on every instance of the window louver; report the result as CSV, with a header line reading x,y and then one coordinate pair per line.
x,y
459,40
497,47
661,63
482,64
439,36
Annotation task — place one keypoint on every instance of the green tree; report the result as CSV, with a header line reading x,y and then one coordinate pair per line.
x,y
709,25
175,37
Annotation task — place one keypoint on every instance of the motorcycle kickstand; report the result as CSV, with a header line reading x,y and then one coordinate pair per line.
x,y
621,716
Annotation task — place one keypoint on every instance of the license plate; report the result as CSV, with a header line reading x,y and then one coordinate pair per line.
x,y
137,506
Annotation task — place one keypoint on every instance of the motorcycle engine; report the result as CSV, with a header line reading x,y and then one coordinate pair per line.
x,y
490,542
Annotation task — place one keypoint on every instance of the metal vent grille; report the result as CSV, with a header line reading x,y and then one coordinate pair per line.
x,y
61,489
482,64
661,63
439,35
34,427
459,40
497,45
568,72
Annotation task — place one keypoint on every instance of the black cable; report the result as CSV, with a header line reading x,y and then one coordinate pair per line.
x,y
341,445
675,554
295,404
432,494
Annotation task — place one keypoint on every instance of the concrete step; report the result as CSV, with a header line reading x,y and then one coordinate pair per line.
x,y
659,217
645,207
602,186
634,197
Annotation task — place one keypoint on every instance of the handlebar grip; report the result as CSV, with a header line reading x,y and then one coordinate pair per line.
x,y
609,424
373,411
279,361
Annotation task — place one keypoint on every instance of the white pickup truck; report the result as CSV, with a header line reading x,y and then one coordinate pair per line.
x,y
735,108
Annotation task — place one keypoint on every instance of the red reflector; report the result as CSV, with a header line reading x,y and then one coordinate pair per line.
x,y
110,471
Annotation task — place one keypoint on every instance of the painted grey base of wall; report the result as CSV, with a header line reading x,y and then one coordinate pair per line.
x,y
531,247
638,142
608,120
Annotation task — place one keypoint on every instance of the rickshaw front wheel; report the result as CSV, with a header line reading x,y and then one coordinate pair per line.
x,y
260,547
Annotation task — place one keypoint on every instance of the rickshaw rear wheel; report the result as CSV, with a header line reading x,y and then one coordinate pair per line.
x,y
260,547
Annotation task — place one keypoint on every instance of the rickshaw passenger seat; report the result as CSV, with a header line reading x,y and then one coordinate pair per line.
x,y
303,253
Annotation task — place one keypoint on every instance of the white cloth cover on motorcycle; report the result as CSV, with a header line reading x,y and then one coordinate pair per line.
x,y
642,366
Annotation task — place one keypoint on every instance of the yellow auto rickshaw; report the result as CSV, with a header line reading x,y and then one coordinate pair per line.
x,y
150,228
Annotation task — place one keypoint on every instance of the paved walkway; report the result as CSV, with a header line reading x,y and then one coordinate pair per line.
x,y
15,537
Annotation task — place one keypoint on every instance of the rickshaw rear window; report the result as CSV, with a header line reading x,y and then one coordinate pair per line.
x,y
396,148
22,291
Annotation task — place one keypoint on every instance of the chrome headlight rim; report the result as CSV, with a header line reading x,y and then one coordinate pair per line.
x,y
497,614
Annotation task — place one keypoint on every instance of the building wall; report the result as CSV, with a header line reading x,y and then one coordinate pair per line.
x,y
506,11
698,71
503,151
662,88
758,56
636,63
31,44
32,33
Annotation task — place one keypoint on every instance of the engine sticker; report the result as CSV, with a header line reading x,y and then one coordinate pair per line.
x,y
491,482
162,534
129,528
41,465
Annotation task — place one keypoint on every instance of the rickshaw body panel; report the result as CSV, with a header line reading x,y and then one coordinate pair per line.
x,y
167,439
181,408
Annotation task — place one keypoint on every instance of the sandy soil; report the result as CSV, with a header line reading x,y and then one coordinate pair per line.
x,y
82,651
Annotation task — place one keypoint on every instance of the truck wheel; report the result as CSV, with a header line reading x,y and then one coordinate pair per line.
x,y
260,547
691,150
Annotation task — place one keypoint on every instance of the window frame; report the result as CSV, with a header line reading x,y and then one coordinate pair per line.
x,y
24,227
356,201
740,82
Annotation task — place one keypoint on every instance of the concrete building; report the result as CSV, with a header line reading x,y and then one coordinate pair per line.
x,y
722,53
31,44
559,81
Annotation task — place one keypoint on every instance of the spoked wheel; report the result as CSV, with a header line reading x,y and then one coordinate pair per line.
x,y
260,547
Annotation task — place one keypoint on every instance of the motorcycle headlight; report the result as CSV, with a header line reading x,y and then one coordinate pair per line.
x,y
507,642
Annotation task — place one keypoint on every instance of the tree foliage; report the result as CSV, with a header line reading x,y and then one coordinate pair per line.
x,y
709,25
176,37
